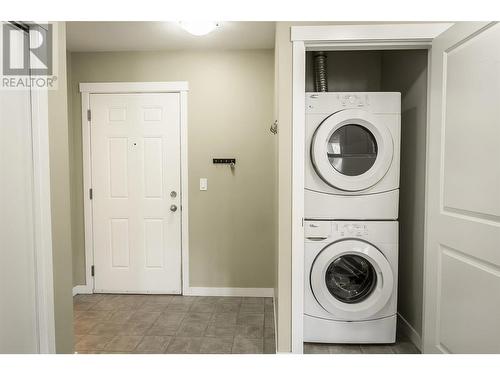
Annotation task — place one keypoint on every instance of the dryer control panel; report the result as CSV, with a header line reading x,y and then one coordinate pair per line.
x,y
353,100
318,102
374,102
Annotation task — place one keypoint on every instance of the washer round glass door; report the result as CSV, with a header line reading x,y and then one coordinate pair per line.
x,y
351,279
351,151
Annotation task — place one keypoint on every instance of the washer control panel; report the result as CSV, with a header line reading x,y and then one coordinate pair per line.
x,y
326,231
352,229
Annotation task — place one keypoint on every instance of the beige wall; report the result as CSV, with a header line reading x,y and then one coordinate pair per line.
x,y
230,109
60,202
283,48
276,189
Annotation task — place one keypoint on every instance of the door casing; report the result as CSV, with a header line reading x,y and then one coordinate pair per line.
x,y
86,90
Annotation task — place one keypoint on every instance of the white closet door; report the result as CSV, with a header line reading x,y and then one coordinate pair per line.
x,y
462,268
136,192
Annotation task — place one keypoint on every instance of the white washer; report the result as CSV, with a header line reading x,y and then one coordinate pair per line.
x,y
352,155
351,273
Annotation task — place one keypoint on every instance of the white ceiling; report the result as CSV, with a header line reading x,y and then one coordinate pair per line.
x,y
149,36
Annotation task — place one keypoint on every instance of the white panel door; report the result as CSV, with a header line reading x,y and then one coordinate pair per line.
x,y
462,267
135,141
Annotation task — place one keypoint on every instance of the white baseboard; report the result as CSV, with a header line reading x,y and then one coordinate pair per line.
x,y
82,289
407,329
229,292
202,291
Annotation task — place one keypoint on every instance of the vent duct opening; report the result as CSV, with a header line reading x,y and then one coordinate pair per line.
x,y
320,73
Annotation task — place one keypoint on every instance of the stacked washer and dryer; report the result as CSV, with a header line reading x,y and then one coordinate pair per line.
x,y
351,212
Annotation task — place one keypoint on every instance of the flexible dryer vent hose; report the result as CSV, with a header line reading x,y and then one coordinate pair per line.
x,y
320,74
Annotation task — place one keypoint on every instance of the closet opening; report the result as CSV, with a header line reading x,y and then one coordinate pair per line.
x,y
403,71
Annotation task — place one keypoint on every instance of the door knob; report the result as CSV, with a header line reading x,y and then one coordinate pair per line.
x,y
173,208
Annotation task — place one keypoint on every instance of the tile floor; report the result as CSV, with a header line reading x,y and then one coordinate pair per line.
x,y
402,346
118,323
154,324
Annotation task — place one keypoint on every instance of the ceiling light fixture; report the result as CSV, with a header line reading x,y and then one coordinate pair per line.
x,y
199,27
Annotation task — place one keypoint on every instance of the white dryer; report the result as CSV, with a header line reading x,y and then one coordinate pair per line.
x,y
351,273
352,155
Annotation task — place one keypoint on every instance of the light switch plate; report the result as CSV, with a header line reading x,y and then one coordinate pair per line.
x,y
203,184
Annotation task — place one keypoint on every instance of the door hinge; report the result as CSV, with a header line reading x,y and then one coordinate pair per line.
x,y
91,193
92,271
89,115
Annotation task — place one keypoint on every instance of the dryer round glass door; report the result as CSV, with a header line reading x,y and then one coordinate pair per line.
x,y
351,150
351,279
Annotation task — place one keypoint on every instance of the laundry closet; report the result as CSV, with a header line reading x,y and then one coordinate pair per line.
x,y
399,76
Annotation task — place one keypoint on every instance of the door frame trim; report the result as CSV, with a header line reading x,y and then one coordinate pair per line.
x,y
332,37
42,219
86,89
